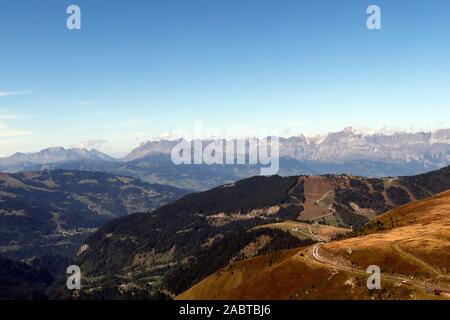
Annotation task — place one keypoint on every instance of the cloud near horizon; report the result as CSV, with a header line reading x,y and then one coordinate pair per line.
x,y
14,93
91,144
8,133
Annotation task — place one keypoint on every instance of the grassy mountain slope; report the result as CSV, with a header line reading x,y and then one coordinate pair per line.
x,y
411,245
153,246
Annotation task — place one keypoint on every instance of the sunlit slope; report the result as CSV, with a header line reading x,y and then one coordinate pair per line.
x,y
413,240
410,244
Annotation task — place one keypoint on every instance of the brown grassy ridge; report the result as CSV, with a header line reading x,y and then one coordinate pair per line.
x,y
412,241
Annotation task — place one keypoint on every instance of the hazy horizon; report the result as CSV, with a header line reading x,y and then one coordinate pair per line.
x,y
95,145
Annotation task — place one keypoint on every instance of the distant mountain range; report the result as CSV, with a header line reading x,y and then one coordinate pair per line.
x,y
431,149
346,151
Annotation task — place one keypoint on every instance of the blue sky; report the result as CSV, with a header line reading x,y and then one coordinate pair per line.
x,y
139,69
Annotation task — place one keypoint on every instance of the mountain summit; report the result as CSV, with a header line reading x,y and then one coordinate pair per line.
x,y
23,161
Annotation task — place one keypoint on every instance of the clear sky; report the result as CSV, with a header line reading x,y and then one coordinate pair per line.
x,y
139,69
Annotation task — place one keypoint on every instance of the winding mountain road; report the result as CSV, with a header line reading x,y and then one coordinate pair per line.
x,y
315,254
408,256
330,207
